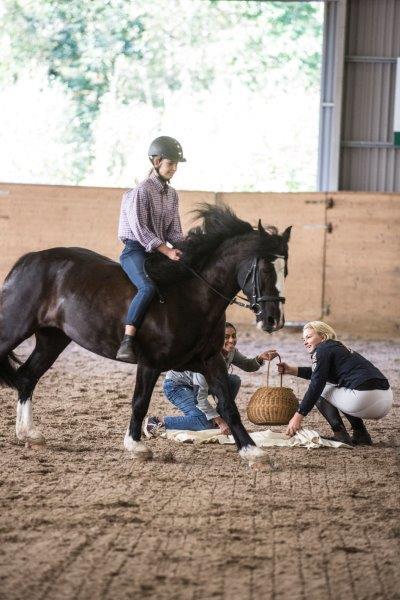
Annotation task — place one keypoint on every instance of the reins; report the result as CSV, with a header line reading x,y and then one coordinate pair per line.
x,y
256,296
213,289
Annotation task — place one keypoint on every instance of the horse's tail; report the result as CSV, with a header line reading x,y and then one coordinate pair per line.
x,y
8,370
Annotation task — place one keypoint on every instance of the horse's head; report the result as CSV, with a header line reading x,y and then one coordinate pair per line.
x,y
262,278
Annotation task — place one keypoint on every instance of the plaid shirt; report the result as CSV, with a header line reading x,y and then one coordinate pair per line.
x,y
149,214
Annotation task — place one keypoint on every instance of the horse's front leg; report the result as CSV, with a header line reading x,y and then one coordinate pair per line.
x,y
216,375
145,381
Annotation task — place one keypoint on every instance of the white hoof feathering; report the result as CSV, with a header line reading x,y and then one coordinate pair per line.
x,y
24,428
253,454
137,448
34,437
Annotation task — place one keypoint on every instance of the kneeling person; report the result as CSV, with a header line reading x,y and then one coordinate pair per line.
x,y
189,392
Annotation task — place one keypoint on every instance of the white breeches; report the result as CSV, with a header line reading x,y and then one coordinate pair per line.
x,y
365,404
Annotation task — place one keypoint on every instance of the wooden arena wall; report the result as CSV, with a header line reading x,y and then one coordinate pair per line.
x,y
344,251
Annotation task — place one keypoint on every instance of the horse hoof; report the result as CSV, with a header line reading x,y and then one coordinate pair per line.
x,y
141,452
143,456
32,438
34,444
137,449
253,455
36,438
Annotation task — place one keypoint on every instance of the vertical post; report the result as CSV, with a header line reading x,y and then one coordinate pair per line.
x,y
331,95
396,119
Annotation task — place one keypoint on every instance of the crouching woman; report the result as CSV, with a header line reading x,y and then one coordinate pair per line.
x,y
341,381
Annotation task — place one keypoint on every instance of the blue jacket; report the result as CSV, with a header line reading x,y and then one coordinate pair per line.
x,y
334,363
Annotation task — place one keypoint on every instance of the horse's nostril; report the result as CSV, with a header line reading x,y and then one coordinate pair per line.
x,y
271,320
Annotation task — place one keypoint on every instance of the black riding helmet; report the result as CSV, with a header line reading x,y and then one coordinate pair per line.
x,y
166,147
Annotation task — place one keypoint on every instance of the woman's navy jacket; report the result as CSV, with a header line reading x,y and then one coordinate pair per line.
x,y
334,363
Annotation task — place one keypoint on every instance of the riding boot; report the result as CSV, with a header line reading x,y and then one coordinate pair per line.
x,y
360,436
126,351
334,419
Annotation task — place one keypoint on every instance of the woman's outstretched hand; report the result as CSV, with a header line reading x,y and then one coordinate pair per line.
x,y
268,355
223,427
285,369
294,424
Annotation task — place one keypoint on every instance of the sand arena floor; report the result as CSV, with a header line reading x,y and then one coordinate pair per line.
x,y
81,520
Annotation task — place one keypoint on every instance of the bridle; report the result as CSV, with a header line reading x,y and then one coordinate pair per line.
x,y
254,296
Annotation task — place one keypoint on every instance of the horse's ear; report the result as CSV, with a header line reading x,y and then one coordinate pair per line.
x,y
286,234
261,228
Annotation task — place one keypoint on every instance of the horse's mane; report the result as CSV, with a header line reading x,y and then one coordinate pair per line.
x,y
219,223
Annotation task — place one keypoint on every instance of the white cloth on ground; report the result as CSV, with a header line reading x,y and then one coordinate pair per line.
x,y
306,438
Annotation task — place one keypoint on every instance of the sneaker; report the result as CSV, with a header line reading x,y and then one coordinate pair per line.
x,y
152,427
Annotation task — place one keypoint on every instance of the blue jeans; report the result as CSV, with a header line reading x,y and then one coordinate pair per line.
x,y
183,397
132,261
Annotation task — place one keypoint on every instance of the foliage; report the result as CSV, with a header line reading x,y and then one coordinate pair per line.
x,y
142,52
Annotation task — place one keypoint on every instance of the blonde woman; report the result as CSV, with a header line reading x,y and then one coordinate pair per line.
x,y
340,380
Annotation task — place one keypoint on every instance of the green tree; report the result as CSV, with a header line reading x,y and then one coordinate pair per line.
x,y
144,51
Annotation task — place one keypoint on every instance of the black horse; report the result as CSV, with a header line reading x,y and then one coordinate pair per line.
x,y
65,294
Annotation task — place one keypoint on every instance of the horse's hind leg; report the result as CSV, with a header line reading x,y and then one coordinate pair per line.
x,y
146,379
49,345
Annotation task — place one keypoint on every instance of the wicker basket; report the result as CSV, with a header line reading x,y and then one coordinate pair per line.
x,y
272,405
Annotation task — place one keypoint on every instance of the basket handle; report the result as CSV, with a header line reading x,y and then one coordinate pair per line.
x,y
281,374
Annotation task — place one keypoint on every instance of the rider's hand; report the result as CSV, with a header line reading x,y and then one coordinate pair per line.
x,y
174,254
285,369
223,427
171,253
268,355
